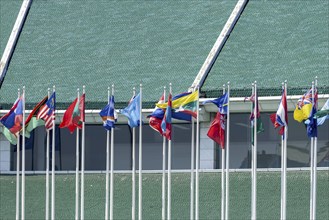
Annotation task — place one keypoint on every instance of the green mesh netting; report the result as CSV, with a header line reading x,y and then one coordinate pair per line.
x,y
97,43
275,41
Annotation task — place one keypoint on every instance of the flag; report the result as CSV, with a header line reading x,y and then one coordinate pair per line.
x,y
14,118
280,118
132,112
166,121
32,120
10,136
312,128
260,127
74,115
184,105
221,103
216,130
304,106
323,114
157,116
109,115
47,112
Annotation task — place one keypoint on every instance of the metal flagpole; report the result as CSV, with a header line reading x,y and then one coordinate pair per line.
x,y
82,215
17,169
112,167
164,169
227,154
223,178
315,152
254,157
23,158
169,169
140,214
284,199
47,170
107,165
192,173
77,169
197,161
133,192
312,166
53,162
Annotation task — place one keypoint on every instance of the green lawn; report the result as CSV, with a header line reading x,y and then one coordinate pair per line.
x,y
268,199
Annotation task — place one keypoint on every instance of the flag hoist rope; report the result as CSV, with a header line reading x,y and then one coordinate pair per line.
x,y
112,166
140,178
17,168
77,168
82,199
164,168
53,162
107,164
223,177
227,154
47,171
133,155
23,158
169,169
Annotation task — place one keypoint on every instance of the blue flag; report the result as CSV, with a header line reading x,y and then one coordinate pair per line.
x,y
109,115
312,127
132,112
221,102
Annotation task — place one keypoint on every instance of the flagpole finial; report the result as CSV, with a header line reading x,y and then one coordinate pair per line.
x,y
228,83
170,84
255,82
140,85
164,87
108,88
112,86
285,81
23,88
54,87
48,89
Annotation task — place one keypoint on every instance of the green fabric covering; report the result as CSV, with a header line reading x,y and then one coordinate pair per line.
x,y
70,43
275,41
268,196
8,12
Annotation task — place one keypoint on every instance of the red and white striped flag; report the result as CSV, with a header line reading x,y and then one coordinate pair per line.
x,y
47,112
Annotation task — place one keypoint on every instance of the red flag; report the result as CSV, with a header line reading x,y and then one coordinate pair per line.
x,y
217,130
74,115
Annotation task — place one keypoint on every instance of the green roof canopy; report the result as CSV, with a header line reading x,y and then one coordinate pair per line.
x,y
71,43
275,41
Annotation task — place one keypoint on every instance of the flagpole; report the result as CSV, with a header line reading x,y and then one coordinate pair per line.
x,y
112,167
312,166
77,168
53,169
82,165
197,161
254,157
23,158
17,169
107,165
227,154
223,177
140,214
164,169
284,188
315,155
169,169
47,170
133,194
192,172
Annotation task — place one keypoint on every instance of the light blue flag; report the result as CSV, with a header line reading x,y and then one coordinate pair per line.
x,y
132,112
